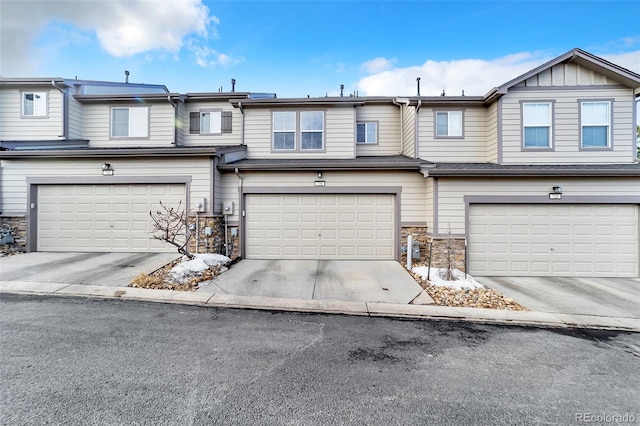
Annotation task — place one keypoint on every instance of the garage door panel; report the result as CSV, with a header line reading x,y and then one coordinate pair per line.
x,y
561,240
329,226
102,217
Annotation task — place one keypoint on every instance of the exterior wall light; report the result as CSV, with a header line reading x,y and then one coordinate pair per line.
x,y
557,190
319,175
106,169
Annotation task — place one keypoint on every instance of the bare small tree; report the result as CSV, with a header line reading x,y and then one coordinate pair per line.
x,y
170,225
449,259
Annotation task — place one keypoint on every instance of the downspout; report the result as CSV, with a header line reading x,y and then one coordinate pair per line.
x,y
242,238
65,110
401,106
242,125
175,122
416,133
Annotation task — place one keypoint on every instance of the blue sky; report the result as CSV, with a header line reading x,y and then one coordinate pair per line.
x,y
300,48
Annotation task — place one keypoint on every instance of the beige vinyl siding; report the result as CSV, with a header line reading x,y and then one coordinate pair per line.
x,y
430,187
413,196
451,192
181,123
339,134
13,127
492,133
409,131
567,75
233,138
472,148
217,191
566,131
75,117
14,173
97,126
389,130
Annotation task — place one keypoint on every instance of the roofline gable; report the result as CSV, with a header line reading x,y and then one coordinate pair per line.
x,y
580,57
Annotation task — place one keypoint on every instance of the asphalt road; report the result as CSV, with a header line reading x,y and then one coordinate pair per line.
x,y
83,361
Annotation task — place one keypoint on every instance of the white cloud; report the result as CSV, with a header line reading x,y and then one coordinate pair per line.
x,y
629,60
474,76
377,65
122,27
206,56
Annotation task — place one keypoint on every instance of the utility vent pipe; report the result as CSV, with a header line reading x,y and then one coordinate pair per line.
x,y
418,83
409,250
341,90
233,84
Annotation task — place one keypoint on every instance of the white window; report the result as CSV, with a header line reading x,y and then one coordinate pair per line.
x,y
284,130
34,104
367,132
130,122
211,122
449,124
536,123
596,124
311,130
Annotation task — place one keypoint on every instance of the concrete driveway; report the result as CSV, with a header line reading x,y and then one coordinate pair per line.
x,y
106,269
608,297
355,281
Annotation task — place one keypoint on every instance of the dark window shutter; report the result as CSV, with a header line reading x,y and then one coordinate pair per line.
x,y
194,122
226,121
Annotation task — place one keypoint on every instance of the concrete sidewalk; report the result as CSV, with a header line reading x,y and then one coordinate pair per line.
x,y
323,306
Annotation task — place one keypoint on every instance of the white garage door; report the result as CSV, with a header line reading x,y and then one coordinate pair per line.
x,y
102,218
306,226
562,240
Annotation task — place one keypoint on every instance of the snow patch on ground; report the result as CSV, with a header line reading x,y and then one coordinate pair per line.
x,y
189,269
437,278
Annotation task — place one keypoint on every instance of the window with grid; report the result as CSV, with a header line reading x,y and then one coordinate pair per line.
x,y
595,124
536,123
284,130
311,130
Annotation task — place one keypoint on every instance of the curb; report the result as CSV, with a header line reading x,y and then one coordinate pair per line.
x,y
372,309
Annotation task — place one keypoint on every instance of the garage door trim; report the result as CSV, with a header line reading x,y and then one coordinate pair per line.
x,y
305,190
34,181
539,200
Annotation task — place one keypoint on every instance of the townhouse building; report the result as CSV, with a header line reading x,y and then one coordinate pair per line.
x,y
540,176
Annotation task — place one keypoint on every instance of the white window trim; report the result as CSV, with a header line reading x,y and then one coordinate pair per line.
x,y
45,94
551,125
297,132
129,108
366,132
609,146
448,112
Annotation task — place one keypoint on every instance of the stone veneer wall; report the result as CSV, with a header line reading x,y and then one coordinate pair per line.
x,y
18,227
215,242
207,244
439,247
